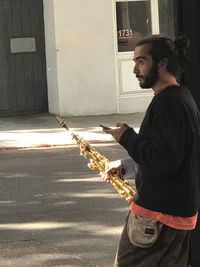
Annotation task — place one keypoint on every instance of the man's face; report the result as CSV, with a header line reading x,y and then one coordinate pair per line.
x,y
145,69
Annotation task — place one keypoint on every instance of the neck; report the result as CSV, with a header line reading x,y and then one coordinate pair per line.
x,y
164,83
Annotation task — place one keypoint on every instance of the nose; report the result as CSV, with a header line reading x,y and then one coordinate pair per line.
x,y
135,69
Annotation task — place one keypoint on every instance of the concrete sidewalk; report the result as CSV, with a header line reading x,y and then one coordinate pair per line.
x,y
43,130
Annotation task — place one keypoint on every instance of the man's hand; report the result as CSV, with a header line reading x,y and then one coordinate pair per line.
x,y
114,168
118,131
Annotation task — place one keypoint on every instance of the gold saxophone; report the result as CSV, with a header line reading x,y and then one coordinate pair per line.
x,y
100,162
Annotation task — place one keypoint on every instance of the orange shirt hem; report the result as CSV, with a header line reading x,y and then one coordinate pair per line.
x,y
176,222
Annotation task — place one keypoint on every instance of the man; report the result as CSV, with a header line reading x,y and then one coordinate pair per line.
x,y
167,151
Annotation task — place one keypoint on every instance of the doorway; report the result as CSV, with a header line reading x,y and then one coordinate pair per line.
x,y
136,19
23,80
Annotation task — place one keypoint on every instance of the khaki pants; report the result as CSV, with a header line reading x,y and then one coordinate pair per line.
x,y
170,250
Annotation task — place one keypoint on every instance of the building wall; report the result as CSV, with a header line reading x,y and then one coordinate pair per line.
x,y
51,56
86,74
81,69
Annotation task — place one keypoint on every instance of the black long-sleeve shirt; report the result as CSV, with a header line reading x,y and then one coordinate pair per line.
x,y
167,148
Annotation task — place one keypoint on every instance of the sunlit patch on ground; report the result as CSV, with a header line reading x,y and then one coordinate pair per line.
x,y
49,137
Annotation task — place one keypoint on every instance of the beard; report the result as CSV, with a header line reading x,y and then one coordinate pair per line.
x,y
150,79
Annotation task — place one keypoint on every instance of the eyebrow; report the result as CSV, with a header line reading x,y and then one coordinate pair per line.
x,y
140,57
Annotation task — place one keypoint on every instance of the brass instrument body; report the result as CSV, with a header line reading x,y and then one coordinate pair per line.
x,y
99,162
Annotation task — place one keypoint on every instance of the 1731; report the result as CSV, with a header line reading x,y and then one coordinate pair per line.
x,y
125,33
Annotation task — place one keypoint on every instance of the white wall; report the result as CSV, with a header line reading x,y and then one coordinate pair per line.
x,y
80,57
51,57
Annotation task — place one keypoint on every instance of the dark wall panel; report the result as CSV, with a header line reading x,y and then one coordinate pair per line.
x,y
189,24
22,73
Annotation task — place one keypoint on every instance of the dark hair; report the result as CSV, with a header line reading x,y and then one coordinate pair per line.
x,y
176,52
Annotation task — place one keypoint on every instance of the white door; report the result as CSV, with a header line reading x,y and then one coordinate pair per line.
x,y
135,19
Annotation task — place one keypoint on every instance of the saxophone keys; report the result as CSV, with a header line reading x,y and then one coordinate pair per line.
x,y
92,165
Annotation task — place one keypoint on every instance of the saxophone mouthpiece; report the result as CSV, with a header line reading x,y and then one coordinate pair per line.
x,y
62,122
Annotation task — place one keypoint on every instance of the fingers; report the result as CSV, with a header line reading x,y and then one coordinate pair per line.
x,y
118,131
107,176
108,131
119,124
114,169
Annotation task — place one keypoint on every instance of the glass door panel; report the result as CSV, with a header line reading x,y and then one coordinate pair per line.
x,y
133,22
166,10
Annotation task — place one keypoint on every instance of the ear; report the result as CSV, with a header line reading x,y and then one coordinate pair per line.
x,y
163,63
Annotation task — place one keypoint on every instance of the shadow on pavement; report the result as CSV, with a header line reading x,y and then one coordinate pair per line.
x,y
55,211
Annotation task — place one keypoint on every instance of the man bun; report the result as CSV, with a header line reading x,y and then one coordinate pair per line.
x,y
182,45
